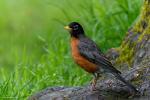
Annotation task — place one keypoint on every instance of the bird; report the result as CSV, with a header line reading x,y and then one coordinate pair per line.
x,y
89,56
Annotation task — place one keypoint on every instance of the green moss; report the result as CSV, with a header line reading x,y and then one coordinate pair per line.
x,y
126,54
141,27
145,33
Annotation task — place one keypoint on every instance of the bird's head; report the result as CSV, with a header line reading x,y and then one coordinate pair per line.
x,y
75,29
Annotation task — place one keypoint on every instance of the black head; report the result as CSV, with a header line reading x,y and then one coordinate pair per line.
x,y
75,29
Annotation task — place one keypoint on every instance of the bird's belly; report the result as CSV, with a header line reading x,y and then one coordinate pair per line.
x,y
85,64
80,60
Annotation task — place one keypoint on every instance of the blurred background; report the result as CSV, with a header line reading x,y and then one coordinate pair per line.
x,y
34,47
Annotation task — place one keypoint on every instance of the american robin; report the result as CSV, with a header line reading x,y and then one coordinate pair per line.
x,y
86,54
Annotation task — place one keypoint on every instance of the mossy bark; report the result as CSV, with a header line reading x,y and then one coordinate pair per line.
x,y
133,57
136,38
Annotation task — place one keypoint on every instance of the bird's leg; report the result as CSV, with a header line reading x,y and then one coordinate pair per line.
x,y
109,82
93,84
94,81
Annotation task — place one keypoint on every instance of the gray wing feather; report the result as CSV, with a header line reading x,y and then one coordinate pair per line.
x,y
90,50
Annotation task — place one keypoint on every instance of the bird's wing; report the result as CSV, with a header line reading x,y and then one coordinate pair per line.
x,y
90,51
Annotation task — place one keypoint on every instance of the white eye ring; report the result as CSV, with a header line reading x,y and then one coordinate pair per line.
x,y
76,27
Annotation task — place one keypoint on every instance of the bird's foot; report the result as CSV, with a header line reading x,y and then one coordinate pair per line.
x,y
109,82
93,85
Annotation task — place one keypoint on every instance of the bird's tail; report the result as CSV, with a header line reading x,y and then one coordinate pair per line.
x,y
127,83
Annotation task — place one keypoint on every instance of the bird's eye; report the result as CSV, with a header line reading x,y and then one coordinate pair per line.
x,y
75,27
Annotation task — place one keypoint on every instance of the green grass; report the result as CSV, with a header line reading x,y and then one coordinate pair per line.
x,y
34,47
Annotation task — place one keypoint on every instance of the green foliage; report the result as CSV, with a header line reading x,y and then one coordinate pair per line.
x,y
34,47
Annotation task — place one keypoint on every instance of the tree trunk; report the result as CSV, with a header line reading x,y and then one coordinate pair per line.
x,y
132,57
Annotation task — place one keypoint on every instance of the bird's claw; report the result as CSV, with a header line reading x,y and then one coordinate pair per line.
x,y
93,85
109,82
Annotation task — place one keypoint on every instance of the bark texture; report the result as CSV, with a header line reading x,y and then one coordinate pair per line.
x,y
132,57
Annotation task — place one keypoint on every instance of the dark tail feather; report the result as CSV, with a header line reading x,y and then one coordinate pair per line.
x,y
124,81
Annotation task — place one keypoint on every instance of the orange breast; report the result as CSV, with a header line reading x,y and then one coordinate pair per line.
x,y
80,60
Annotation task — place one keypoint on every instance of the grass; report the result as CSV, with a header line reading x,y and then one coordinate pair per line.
x,y
34,47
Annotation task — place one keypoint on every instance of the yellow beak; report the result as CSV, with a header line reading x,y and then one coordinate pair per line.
x,y
67,28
